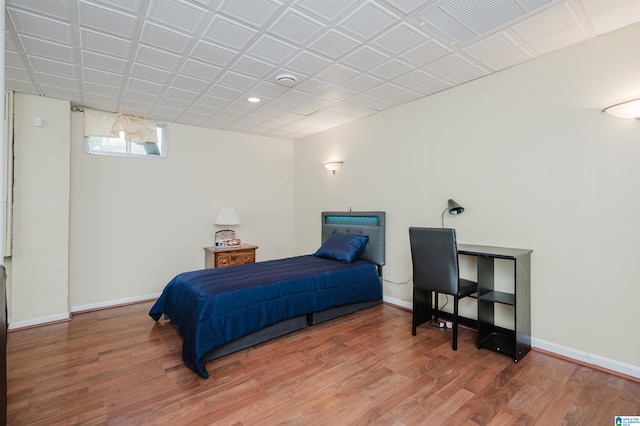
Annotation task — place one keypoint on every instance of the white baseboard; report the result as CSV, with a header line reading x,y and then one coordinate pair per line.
x,y
587,358
39,321
112,303
580,356
398,302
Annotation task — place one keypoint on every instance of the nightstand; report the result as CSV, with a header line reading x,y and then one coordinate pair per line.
x,y
221,256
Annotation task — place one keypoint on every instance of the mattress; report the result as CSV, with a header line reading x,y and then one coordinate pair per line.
x,y
212,307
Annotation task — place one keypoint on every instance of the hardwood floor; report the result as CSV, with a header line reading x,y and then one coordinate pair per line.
x,y
118,367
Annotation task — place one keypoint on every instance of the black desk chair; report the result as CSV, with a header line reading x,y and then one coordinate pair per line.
x,y
434,255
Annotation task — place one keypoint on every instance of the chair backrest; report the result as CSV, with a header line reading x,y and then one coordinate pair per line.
x,y
434,255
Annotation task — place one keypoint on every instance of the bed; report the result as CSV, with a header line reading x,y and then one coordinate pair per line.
x,y
218,311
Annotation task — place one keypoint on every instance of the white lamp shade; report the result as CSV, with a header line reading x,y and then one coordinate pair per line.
x,y
332,166
227,216
627,109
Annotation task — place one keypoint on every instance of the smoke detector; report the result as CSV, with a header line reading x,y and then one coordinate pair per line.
x,y
286,80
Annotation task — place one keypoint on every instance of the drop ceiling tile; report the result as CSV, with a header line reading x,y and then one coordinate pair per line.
x,y
295,27
22,86
13,59
268,89
314,86
41,27
241,107
400,38
386,90
144,86
252,67
141,97
50,66
334,44
256,12
364,82
201,70
405,96
432,87
382,104
281,105
272,50
545,23
135,108
329,10
145,72
414,78
407,6
179,105
107,63
178,15
237,81
391,69
225,92
60,9
165,113
222,31
184,95
212,54
17,73
101,76
189,83
340,93
100,89
448,64
426,53
101,102
39,47
364,59
466,74
507,59
156,58
164,38
491,46
307,63
208,101
105,44
561,38
363,100
337,74
58,92
107,20
194,118
368,20
133,6
609,19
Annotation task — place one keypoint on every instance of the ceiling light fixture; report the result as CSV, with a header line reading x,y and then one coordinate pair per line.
x,y
626,109
286,80
253,100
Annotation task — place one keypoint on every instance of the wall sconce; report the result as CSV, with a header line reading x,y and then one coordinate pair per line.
x,y
626,109
452,208
227,217
332,166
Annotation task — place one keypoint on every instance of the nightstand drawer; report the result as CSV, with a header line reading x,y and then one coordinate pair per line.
x,y
219,257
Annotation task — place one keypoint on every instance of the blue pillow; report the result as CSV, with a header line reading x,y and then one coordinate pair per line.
x,y
343,247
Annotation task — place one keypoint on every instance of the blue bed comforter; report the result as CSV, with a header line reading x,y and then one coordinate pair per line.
x,y
212,307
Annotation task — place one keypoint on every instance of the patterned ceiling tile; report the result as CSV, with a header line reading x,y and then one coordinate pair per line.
x,y
196,61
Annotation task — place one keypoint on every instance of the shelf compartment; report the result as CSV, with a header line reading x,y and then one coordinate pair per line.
x,y
499,297
500,342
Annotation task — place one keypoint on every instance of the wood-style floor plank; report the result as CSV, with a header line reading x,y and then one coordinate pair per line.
x,y
118,367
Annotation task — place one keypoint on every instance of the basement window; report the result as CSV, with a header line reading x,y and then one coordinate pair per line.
x,y
121,147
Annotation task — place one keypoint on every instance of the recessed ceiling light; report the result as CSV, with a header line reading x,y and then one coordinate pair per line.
x,y
253,100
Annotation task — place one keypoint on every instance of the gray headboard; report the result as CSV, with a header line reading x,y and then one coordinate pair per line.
x,y
371,224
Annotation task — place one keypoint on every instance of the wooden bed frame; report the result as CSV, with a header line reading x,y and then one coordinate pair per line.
x,y
371,224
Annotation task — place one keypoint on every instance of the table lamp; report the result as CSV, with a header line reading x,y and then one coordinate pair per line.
x,y
227,217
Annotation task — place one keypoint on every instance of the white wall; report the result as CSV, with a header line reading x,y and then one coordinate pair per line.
x,y
40,258
136,223
535,163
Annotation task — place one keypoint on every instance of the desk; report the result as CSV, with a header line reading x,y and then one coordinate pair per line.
x,y
515,342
